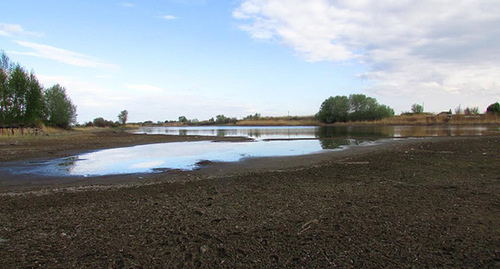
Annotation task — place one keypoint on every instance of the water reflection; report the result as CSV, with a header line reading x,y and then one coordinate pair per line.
x,y
355,131
308,132
269,141
336,143
187,155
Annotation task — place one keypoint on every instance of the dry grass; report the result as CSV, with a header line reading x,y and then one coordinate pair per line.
x,y
417,119
429,119
277,122
30,133
281,121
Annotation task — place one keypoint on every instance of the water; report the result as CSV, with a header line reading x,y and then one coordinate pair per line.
x,y
268,141
314,132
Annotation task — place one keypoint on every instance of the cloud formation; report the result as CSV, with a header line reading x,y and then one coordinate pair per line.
x,y
62,55
408,47
9,29
146,88
128,5
168,17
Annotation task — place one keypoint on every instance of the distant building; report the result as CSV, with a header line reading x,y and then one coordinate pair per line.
x,y
445,114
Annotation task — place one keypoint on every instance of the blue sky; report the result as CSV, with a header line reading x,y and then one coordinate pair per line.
x,y
200,58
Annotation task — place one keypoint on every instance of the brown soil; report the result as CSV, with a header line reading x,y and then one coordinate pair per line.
x,y
426,203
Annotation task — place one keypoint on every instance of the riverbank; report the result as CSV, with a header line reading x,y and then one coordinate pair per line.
x,y
66,143
428,203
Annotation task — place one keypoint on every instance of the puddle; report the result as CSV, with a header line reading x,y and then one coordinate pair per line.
x,y
166,156
269,141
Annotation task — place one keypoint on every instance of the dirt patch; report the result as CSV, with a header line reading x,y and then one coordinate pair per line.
x,y
425,204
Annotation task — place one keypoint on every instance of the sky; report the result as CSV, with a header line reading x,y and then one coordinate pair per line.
x,y
161,59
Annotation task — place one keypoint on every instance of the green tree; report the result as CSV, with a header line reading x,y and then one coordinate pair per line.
x,y
99,122
334,109
183,119
383,111
4,91
362,107
493,108
60,110
34,102
355,108
21,96
417,109
471,110
122,117
253,117
17,91
221,119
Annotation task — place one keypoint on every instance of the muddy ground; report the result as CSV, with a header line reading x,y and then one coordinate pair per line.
x,y
428,203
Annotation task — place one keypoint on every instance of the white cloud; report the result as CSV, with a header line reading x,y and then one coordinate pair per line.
x,y
62,55
128,5
144,88
168,17
425,47
97,99
8,29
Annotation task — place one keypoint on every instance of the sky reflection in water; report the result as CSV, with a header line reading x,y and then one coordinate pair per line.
x,y
148,158
269,141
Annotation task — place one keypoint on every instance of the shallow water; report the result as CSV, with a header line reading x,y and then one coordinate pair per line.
x,y
165,156
268,142
311,132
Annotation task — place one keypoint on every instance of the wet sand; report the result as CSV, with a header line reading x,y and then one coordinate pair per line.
x,y
423,203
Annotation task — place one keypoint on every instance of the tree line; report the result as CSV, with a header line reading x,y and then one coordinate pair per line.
x,y
24,101
492,109
356,107
101,122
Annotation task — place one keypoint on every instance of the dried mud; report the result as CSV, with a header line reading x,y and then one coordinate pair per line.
x,y
431,203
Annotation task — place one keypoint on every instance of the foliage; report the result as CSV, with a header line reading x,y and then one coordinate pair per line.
x,y
493,108
23,101
417,109
471,110
459,110
221,119
122,117
35,105
357,107
257,116
183,119
101,122
60,110
334,109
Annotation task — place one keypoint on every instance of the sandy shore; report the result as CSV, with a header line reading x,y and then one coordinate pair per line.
x,y
424,203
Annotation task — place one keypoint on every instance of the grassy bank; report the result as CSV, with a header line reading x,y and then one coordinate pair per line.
x,y
429,119
414,119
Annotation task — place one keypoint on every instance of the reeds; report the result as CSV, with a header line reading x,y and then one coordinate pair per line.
x,y
430,119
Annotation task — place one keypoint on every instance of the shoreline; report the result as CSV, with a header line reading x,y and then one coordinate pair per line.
x,y
12,183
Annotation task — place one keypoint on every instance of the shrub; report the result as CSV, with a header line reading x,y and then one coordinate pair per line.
x,y
493,108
